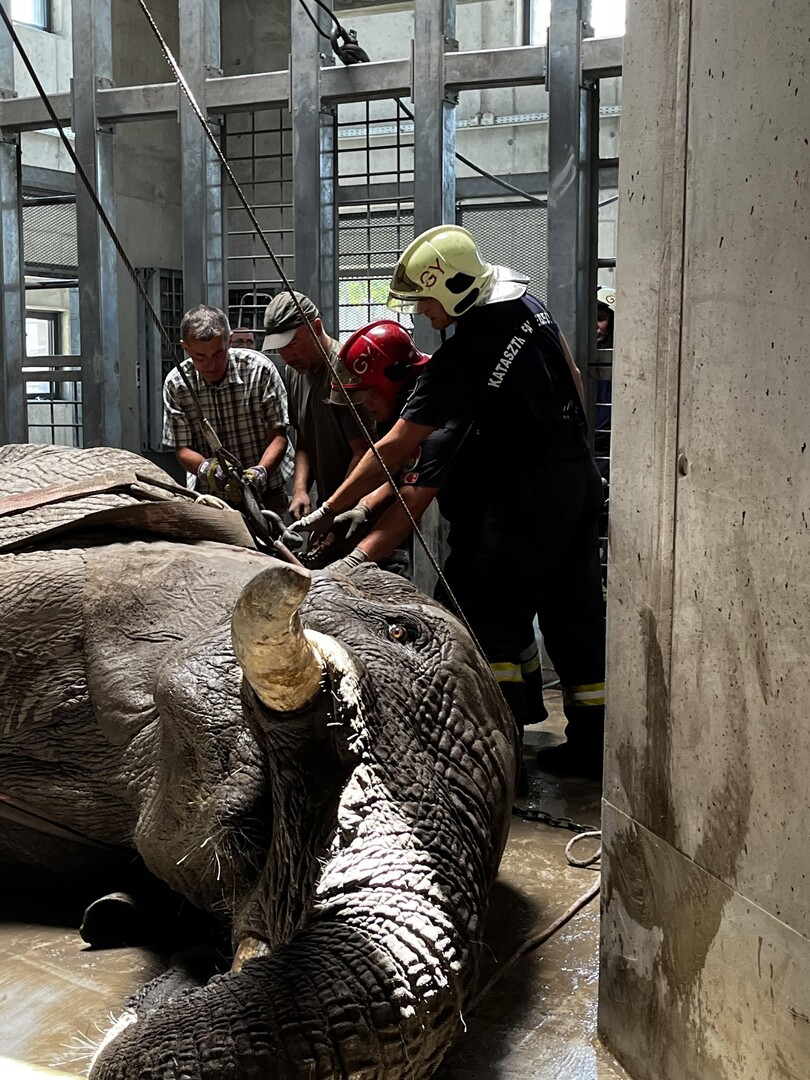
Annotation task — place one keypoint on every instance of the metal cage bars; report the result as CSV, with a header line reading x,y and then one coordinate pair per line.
x,y
437,72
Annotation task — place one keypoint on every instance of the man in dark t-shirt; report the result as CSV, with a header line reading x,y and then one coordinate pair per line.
x,y
528,496
328,441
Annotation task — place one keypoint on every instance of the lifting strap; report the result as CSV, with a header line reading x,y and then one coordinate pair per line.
x,y
56,493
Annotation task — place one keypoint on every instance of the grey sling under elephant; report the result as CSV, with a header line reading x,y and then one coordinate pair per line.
x,y
322,761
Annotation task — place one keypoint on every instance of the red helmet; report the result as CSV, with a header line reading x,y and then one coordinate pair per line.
x,y
380,356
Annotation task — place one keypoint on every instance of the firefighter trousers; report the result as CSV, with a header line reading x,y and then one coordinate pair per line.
x,y
533,549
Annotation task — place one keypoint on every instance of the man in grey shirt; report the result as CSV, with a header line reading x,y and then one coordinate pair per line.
x,y
328,440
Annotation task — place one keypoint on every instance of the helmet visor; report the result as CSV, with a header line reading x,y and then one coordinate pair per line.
x,y
338,395
400,303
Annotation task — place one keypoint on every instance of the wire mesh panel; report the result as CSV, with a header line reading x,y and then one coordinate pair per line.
x,y
370,243
258,146
49,233
375,177
165,290
513,235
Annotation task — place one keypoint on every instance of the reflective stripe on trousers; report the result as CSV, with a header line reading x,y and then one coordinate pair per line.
x,y
506,672
530,659
586,694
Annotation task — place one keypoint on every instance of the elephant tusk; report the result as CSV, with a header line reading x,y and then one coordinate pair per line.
x,y
250,948
275,652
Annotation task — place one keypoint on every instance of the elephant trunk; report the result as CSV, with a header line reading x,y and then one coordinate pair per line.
x,y
280,660
376,993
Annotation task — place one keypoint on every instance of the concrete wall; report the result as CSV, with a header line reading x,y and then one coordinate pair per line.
x,y
706,960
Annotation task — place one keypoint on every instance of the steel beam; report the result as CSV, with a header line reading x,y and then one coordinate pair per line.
x,y
565,237
434,32
200,170
520,66
13,425
313,161
98,270
434,133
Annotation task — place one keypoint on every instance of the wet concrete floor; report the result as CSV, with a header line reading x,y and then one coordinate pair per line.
x,y
537,1023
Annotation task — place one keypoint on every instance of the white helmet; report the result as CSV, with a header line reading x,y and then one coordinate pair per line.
x,y
445,264
606,295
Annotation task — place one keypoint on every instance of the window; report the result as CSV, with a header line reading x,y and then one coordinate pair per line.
x,y
54,408
33,12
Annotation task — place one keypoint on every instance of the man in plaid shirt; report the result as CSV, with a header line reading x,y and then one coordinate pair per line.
x,y
242,396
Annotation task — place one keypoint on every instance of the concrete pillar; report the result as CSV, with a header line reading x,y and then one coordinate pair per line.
x,y
705,952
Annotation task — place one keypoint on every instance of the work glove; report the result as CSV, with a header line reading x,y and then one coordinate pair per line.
x,y
353,524
211,473
350,561
257,476
316,524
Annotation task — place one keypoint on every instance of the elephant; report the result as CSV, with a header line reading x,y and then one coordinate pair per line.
x,y
321,760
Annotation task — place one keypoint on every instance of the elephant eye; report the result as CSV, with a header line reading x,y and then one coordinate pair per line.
x,y
399,633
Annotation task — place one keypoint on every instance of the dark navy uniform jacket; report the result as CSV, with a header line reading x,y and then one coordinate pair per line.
x,y
504,371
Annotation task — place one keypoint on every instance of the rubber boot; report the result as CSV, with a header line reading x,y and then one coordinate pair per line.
x,y
581,753
531,669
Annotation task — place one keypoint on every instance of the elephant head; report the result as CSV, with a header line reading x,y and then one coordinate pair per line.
x,y
391,761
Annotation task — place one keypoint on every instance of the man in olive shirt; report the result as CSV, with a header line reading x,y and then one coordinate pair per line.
x,y
328,440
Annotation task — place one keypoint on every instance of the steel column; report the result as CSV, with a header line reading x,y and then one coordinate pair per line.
x,y
566,239
434,129
201,172
589,245
98,270
313,160
434,186
434,28
13,426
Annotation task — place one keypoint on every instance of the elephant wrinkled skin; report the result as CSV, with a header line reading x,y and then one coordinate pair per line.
x,y
353,834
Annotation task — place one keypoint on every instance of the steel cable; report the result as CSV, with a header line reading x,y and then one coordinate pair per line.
x,y
183,84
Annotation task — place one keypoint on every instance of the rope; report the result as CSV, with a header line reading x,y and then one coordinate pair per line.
x,y
534,941
583,864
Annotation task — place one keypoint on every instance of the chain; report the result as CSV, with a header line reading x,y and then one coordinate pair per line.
x,y
544,818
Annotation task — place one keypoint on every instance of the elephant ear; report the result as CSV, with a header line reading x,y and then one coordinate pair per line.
x,y
280,660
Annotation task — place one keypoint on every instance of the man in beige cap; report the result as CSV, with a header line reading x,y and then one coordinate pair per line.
x,y
328,440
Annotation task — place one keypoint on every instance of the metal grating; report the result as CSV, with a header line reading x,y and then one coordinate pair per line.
x,y
374,163
600,389
258,146
165,290
171,314
49,235
512,234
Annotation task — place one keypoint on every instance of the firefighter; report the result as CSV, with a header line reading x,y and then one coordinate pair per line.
x,y
527,495
377,369
605,314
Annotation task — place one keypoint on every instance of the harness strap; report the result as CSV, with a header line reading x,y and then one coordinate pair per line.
x,y
99,484
20,814
55,493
